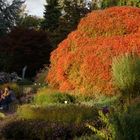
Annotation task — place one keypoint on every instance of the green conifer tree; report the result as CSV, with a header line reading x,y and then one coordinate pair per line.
x,y
9,14
51,15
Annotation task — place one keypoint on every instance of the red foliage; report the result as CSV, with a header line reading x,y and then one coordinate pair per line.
x,y
83,60
24,47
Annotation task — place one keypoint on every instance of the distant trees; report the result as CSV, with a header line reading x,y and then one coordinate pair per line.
x,y
30,22
61,17
101,4
23,47
22,43
9,14
74,10
135,3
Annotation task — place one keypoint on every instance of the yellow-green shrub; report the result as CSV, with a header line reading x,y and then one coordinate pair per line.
x,y
58,113
126,74
47,96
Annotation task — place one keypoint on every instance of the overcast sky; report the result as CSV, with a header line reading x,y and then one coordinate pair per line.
x,y
35,7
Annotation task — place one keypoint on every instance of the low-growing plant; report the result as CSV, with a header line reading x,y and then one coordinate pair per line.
x,y
118,124
104,100
98,100
47,96
42,130
107,130
58,113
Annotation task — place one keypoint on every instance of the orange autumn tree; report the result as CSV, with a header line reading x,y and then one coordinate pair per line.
x,y
83,60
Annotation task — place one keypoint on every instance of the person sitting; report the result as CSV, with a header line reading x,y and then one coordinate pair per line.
x,y
7,97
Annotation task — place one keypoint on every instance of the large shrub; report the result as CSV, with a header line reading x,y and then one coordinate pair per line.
x,y
83,60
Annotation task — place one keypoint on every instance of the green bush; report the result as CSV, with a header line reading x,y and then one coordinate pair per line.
x,y
98,100
119,125
48,96
42,130
58,113
106,130
126,74
127,126
103,100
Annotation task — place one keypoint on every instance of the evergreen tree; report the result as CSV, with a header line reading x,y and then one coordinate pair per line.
x,y
51,15
9,14
108,3
135,3
101,4
74,10
61,17
30,22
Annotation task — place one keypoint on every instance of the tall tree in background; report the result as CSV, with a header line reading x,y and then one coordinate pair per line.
x,y
30,22
51,15
9,14
108,3
74,10
101,4
135,3
61,17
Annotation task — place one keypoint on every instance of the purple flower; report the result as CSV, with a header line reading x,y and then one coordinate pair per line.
x,y
105,110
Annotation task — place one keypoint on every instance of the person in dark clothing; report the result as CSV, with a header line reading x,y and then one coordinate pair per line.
x,y
7,97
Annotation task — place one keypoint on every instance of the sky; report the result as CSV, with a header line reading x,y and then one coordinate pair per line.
x,y
35,7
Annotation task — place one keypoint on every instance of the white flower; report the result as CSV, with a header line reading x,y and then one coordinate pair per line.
x,y
65,102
